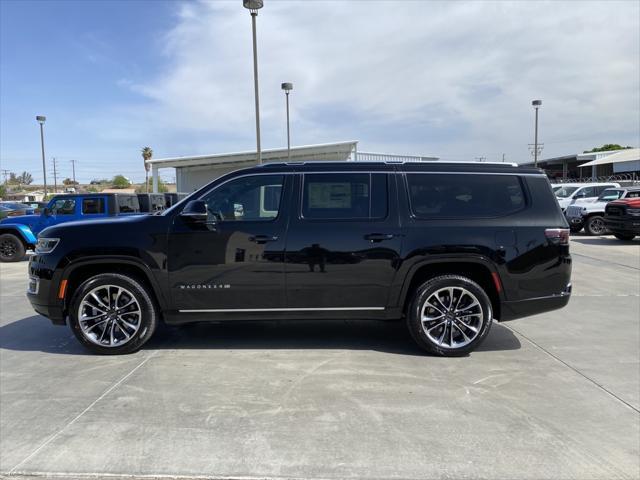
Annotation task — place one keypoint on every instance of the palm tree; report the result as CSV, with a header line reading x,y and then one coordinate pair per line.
x,y
147,153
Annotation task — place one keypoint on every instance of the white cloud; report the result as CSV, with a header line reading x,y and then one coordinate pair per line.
x,y
454,79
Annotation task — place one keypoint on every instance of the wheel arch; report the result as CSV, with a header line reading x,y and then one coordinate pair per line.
x,y
27,240
478,269
77,272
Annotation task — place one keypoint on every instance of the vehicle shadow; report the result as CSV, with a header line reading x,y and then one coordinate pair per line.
x,y
36,333
606,241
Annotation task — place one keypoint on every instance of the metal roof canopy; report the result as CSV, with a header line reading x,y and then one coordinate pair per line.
x,y
616,156
305,152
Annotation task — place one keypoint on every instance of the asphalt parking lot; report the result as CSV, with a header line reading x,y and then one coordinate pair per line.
x,y
554,396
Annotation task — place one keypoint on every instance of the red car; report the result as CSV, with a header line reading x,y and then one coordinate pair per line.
x,y
622,218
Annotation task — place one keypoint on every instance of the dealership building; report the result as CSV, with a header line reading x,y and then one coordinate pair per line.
x,y
196,171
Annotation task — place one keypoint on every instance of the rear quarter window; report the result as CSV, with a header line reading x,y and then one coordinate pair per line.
x,y
464,195
128,204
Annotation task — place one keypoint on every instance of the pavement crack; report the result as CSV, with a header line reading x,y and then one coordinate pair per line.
x,y
77,417
558,359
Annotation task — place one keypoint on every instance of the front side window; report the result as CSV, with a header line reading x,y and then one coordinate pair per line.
x,y
444,195
254,198
586,192
92,206
610,195
64,206
344,196
565,192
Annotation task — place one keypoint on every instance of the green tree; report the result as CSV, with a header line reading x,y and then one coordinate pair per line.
x,y
3,190
162,188
607,147
120,181
147,153
68,181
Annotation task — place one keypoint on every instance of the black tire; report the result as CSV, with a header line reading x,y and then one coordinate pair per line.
x,y
148,319
11,248
624,236
425,291
595,226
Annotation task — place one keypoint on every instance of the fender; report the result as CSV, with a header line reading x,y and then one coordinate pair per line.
x,y
445,259
23,231
115,260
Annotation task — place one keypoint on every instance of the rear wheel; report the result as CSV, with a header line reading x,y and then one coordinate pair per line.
x,y
112,314
449,315
624,236
11,248
595,226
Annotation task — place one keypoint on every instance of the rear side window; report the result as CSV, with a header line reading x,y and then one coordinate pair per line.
x,y
443,195
92,206
344,196
128,204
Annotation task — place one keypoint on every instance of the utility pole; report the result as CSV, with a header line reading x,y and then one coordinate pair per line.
x,y
55,178
481,159
503,158
73,165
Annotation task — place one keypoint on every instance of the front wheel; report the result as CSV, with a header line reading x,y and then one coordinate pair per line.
x,y
112,314
595,226
624,236
11,248
449,315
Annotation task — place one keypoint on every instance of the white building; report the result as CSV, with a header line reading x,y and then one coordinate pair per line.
x,y
195,171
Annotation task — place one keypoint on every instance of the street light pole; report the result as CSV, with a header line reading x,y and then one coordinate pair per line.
x,y
536,104
253,6
287,87
41,119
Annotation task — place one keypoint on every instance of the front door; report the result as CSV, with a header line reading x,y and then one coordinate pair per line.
x,y
236,262
343,243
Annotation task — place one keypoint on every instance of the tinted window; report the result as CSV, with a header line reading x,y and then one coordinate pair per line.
x,y
586,192
252,198
609,194
92,206
632,194
344,196
434,195
128,204
64,206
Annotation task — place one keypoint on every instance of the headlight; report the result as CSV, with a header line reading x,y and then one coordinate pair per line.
x,y
46,245
634,211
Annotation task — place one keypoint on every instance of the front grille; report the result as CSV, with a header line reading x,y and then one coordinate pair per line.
x,y
574,211
615,211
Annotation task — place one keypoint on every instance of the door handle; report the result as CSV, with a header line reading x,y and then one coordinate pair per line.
x,y
260,239
378,237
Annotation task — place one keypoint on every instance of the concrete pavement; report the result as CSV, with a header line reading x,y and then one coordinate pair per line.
x,y
552,396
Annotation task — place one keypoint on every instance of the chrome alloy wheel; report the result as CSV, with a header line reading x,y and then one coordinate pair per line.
x,y
452,317
109,316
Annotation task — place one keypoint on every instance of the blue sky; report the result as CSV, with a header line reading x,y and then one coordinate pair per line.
x,y
452,79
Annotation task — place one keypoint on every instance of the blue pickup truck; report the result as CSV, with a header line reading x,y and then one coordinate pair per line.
x,y
19,234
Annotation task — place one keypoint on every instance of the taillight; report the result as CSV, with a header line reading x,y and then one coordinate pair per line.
x,y
557,236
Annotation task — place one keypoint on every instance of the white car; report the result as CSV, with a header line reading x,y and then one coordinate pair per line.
x,y
590,214
570,194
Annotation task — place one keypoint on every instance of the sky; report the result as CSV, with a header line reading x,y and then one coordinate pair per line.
x,y
450,79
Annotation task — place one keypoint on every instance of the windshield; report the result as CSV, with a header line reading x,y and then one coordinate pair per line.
x,y
609,195
564,192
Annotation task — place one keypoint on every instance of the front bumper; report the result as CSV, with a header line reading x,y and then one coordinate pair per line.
x,y
623,225
42,292
533,306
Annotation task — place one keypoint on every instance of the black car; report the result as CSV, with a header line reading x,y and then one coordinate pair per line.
x,y
448,247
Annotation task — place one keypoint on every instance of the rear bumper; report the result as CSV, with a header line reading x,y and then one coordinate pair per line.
x,y
534,306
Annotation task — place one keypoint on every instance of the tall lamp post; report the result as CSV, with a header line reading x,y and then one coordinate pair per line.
x,y
536,105
253,6
41,119
287,87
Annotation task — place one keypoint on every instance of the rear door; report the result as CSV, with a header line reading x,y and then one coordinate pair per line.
x,y
343,242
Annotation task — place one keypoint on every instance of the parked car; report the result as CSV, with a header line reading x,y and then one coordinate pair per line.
x,y
622,218
152,202
580,193
19,234
4,211
446,247
17,208
590,215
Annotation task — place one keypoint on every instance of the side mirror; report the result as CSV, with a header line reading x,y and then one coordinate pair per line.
x,y
195,212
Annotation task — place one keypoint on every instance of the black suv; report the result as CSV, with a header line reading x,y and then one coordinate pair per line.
x,y
447,246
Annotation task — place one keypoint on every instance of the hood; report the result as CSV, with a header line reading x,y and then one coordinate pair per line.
x,y
21,220
629,202
108,224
